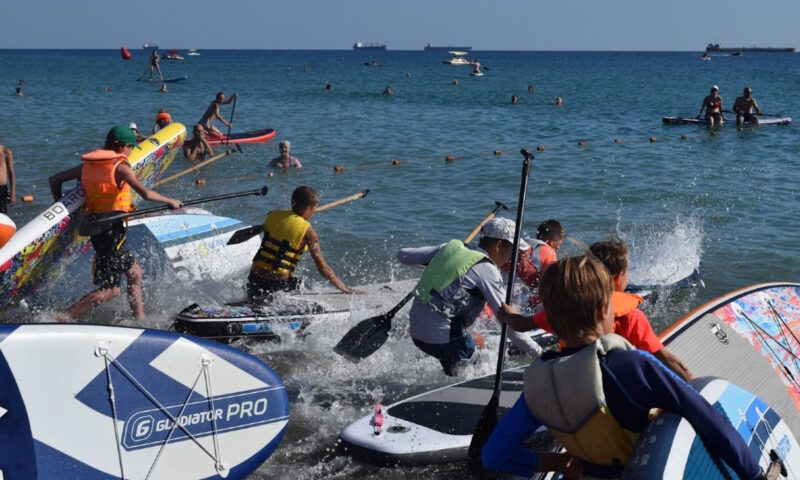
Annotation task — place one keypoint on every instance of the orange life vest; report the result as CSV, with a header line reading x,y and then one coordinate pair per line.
x,y
624,303
97,177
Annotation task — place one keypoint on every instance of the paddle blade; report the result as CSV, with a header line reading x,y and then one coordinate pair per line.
x,y
365,338
245,234
486,423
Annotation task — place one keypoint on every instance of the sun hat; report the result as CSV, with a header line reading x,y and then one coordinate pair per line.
x,y
502,229
133,126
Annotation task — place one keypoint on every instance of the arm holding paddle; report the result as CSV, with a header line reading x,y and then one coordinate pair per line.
x,y
125,174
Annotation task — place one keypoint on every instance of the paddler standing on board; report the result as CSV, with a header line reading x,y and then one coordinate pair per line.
x,y
712,104
153,65
107,179
212,112
457,282
595,395
287,235
743,108
8,181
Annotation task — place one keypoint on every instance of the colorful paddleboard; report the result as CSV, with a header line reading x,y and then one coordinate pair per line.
x,y
670,449
762,121
41,249
195,241
256,136
98,402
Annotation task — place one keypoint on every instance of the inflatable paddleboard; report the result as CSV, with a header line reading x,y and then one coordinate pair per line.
x,y
41,249
97,402
170,80
256,136
762,121
195,242
289,311
670,449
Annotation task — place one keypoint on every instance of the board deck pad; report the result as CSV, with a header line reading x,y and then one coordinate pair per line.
x,y
42,249
670,449
182,407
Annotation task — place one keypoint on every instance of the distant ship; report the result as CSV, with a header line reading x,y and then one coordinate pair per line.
x,y
368,46
718,48
147,46
431,48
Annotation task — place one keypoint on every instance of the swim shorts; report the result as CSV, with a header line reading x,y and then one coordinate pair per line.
x,y
112,257
4,197
258,288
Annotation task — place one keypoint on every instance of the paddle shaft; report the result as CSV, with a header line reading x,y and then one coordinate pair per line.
x,y
198,166
488,419
341,201
139,213
230,123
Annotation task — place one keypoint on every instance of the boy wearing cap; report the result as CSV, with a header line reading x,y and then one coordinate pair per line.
x,y
457,282
139,136
743,108
713,107
285,160
107,179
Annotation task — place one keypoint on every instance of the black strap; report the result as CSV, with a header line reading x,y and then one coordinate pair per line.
x,y
278,250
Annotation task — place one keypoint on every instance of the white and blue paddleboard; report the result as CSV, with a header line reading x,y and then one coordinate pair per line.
x,y
96,402
196,243
670,449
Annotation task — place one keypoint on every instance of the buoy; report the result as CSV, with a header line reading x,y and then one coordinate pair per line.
x,y
126,55
449,158
396,162
200,182
27,198
455,81
540,148
270,175
652,139
618,140
7,229
581,143
684,137
338,168
498,152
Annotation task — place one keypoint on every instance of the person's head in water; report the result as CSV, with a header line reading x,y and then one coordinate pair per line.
x,y
514,100
530,88
163,88
328,86
305,201
18,92
559,101
284,147
388,92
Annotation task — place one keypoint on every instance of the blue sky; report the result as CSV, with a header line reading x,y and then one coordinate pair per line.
x,y
401,25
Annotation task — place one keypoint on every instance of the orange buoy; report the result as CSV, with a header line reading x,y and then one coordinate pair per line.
x,y
126,55
540,148
652,139
618,140
449,158
27,198
200,182
338,168
7,229
498,152
270,175
396,162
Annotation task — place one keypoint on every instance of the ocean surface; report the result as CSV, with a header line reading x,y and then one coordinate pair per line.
x,y
678,195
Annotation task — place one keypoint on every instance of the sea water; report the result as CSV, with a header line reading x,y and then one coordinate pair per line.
x,y
725,197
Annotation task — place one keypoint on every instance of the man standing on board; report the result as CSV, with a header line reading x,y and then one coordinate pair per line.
x,y
107,178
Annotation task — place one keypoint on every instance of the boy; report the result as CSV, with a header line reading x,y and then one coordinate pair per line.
x,y
287,235
457,282
8,181
596,393
107,179
630,322
212,112
163,118
543,252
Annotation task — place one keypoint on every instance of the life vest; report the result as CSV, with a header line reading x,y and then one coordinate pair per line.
x,y
624,303
280,249
440,287
163,116
97,177
574,406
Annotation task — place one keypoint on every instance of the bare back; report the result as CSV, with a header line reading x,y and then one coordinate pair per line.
x,y
5,155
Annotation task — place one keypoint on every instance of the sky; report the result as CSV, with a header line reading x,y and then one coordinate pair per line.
x,y
401,25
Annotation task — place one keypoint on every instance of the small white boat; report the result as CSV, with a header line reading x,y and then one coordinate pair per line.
x,y
173,55
193,53
705,57
457,58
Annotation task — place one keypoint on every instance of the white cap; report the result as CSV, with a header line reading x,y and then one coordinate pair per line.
x,y
503,229
714,87
132,126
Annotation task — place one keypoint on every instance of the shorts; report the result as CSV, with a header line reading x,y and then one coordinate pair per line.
x,y
453,354
112,257
748,117
716,116
4,197
260,288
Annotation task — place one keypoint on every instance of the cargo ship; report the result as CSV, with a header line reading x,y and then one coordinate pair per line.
x,y
718,48
432,48
368,46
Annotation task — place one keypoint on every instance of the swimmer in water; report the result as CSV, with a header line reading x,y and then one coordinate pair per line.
x,y
285,160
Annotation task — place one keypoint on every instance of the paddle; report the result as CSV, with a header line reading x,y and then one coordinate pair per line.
x,y
230,123
369,335
96,226
246,234
199,165
488,419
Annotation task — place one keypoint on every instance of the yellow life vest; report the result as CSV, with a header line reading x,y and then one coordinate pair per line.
x,y
280,249
97,177
574,406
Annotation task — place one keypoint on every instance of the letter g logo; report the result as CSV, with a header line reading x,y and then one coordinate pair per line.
x,y
142,428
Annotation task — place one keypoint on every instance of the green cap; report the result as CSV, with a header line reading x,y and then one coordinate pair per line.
x,y
123,134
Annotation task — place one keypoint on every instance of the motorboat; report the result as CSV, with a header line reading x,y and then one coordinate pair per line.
x,y
193,53
173,55
458,58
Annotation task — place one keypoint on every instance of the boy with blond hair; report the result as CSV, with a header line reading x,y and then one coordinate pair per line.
x,y
595,395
